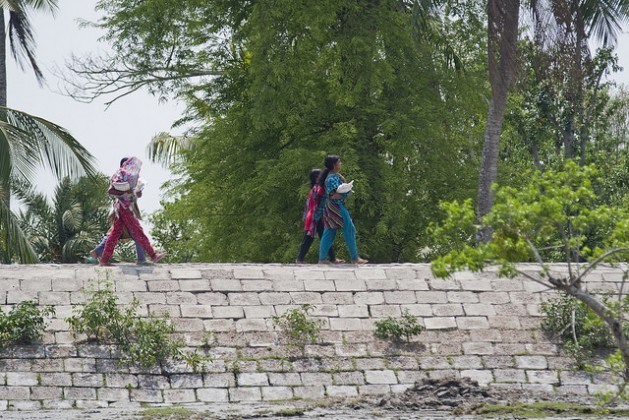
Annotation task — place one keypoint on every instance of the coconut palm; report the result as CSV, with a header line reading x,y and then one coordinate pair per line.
x,y
64,230
28,142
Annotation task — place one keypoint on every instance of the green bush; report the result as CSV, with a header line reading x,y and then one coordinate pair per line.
x,y
581,331
145,342
24,324
298,327
395,329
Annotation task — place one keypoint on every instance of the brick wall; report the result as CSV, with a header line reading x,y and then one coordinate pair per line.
x,y
477,326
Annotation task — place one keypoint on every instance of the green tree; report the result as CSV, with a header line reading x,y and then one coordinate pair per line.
x,y
28,142
557,216
274,86
65,230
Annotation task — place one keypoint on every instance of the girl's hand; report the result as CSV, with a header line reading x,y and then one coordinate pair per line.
x,y
336,196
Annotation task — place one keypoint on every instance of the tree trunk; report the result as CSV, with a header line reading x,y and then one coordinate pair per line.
x,y
3,60
502,30
614,324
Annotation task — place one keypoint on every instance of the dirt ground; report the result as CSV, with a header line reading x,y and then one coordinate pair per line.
x,y
428,399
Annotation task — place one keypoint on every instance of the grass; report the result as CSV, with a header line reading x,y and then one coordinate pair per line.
x,y
170,413
544,409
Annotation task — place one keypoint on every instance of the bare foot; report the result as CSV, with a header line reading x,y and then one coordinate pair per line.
x,y
359,261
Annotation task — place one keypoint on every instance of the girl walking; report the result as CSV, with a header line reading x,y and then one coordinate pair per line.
x,y
335,215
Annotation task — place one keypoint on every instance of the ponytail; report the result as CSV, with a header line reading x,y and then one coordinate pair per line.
x,y
329,163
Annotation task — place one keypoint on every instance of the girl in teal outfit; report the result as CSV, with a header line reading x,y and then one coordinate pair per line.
x,y
335,215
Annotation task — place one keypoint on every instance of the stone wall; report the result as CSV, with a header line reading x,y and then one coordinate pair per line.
x,y
477,326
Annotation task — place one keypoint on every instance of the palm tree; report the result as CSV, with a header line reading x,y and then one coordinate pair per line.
x,y
576,21
28,142
502,30
65,230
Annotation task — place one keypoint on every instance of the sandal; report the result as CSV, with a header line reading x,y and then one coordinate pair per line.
x,y
359,261
338,261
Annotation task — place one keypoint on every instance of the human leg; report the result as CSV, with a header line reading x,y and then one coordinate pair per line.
x,y
349,233
139,251
331,253
98,250
327,239
136,232
305,246
112,240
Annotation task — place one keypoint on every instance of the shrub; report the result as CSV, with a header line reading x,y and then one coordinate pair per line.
x,y
298,327
146,342
395,329
24,324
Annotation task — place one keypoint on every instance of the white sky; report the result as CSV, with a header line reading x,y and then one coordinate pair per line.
x,y
124,129
127,126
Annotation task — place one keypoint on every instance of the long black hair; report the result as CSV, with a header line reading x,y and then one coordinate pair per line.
x,y
314,176
329,163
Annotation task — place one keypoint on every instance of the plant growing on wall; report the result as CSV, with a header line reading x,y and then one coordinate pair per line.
x,y
298,327
23,324
146,342
398,329
556,216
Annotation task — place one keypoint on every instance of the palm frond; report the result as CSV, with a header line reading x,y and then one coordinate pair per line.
x,y
166,149
33,141
13,242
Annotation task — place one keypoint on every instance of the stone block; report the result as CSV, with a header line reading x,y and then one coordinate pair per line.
x,y
431,297
385,311
309,392
244,272
213,395
316,378
219,380
288,285
225,285
478,348
146,395
338,298
233,312
341,391
531,362
472,323
277,393
478,309
65,285
213,299
245,394
345,324
275,298
76,393
353,311
380,377
252,379
243,299
245,325
219,325
285,379
462,297
542,377
21,378
417,309
262,311
350,285
305,298
348,378
178,396
510,375
121,380
199,285
440,323
319,286
402,297
113,394
55,379
380,284
442,284
448,309
185,273
178,298
257,285
467,362
483,377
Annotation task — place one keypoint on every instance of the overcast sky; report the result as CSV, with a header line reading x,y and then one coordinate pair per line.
x,y
124,129
127,126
